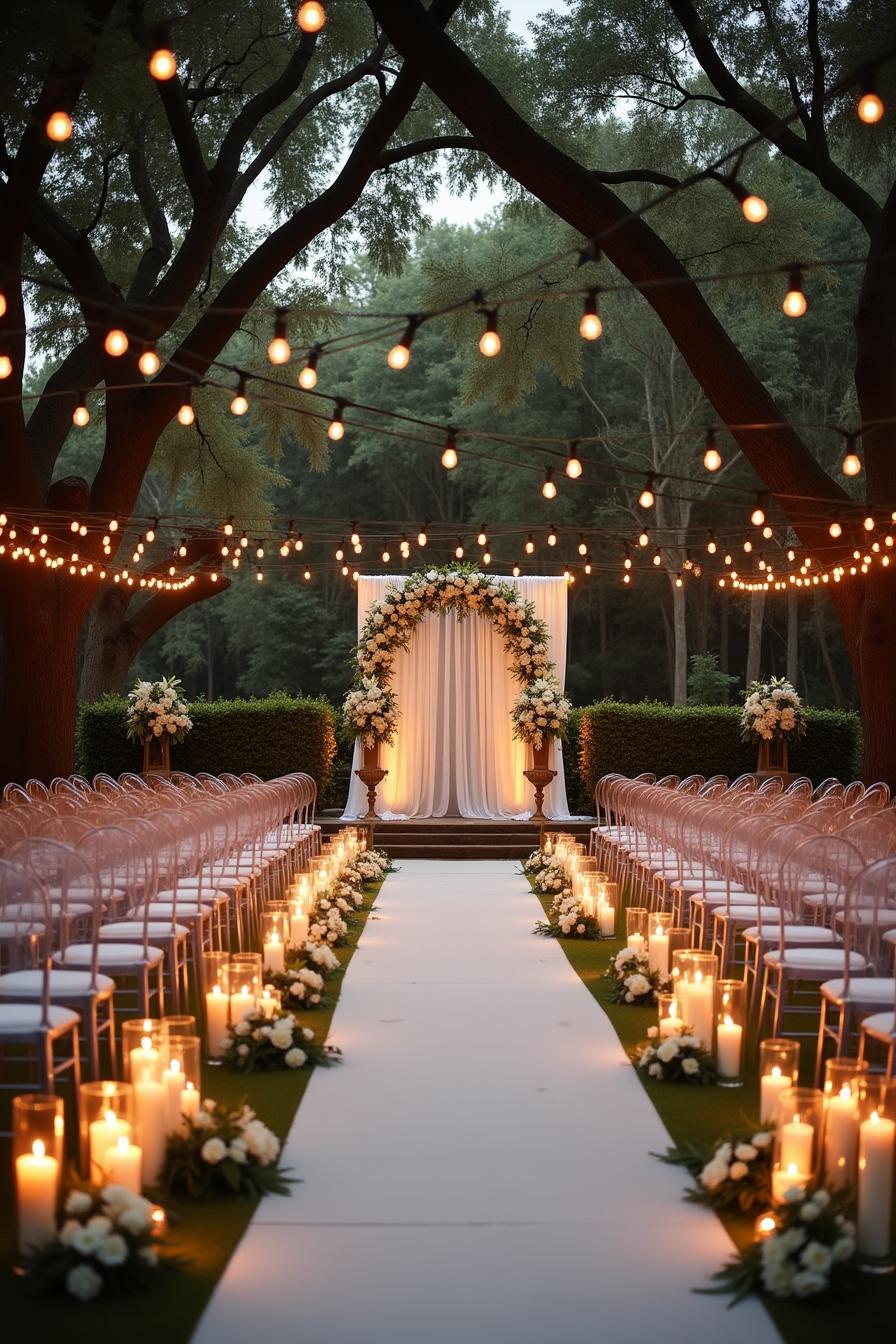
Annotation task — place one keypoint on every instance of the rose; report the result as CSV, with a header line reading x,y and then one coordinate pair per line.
x,y
213,1151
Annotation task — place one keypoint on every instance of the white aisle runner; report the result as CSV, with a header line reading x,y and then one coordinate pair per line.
x,y
477,1172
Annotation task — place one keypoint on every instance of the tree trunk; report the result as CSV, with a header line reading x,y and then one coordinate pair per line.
x,y
754,643
602,635
724,654
836,689
111,645
679,645
793,636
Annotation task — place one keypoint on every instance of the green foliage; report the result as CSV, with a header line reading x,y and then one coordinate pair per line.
x,y
704,739
270,737
707,683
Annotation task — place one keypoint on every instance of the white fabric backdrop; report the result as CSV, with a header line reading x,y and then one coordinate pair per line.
x,y
454,754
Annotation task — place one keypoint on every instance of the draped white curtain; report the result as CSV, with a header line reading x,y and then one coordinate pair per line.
x,y
454,754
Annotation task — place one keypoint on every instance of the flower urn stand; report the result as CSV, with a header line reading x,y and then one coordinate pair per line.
x,y
539,776
371,776
157,755
772,760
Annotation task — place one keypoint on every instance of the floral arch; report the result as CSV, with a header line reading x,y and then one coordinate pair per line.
x,y
371,711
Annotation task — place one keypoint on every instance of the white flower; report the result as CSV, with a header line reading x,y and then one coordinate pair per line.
x,y
816,1257
655,1070
85,1240
202,1119
84,1283
213,1151
738,1169
842,1250
668,1050
112,1250
295,1058
281,1037
807,1284
652,1032
149,1255
133,1220
810,1211
691,1065
78,1203
746,1152
713,1174
761,1140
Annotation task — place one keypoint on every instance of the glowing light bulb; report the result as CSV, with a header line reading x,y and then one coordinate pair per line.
x,y
311,16
530,544
116,342
712,458
400,355
795,302
835,529
163,64
81,415
516,571
336,427
59,126
149,362
548,488
2,305
757,517
240,403
590,325
279,350
186,415
459,550
868,524
490,341
870,107
573,464
5,366
657,559
754,208
449,453
308,375
482,536
647,499
422,538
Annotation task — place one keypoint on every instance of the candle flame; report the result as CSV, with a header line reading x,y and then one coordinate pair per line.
x,y
110,1117
776,1071
845,1092
123,1143
108,1089
146,1042
245,989
190,1087
874,1117
217,990
275,938
796,1118
174,1066
673,1007
38,1148
729,1022
147,1024
767,1223
698,977
792,1169
659,931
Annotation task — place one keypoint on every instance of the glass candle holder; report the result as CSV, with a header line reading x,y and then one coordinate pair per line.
x,y
798,1141
106,1113
694,975
842,1076
658,943
731,1026
246,980
275,934
636,917
216,1000
38,1141
876,1199
679,941
607,902
779,1069
183,1081
182,1025
585,891
319,868
144,1047
270,1002
670,1021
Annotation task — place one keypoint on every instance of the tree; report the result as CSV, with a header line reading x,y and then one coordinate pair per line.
x,y
790,67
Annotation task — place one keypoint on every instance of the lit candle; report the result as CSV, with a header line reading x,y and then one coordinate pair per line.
x,y
37,1194
216,1020
658,950
672,1025
636,942
764,1227
841,1138
274,954
876,1146
151,1109
790,1178
124,1162
797,1138
270,1003
607,920
298,926
696,1006
173,1078
771,1085
241,1004
101,1136
729,1038
190,1102
144,1060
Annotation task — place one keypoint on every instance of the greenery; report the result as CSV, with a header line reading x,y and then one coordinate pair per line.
x,y
707,683
226,1150
702,739
735,1172
270,737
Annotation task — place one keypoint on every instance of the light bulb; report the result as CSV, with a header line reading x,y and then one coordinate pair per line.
x,y
186,415
643,539
754,208
307,575
279,350
81,415
573,464
422,537
795,302
149,362
530,544
552,537
647,498
516,571
340,551
459,550
490,341
308,375
2,305
355,537
336,427
583,545
5,366
852,463
311,16
868,524
835,529
59,126
400,355
548,488
590,325
240,403
449,454
386,556
116,342
748,546
712,458
486,557
757,517
712,545
163,64
870,107
679,582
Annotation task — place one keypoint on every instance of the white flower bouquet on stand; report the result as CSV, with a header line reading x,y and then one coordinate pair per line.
x,y
540,712
157,715
772,716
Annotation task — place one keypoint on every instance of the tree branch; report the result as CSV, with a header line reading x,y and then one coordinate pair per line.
x,y
158,254
260,106
430,145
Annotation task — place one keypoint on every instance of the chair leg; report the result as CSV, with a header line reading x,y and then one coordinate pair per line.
x,y
819,1049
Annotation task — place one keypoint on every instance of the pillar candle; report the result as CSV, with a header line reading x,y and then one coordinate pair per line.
x,y
729,1038
797,1138
190,1102
670,1026
298,928
771,1085
607,920
144,1060
37,1194
151,1108
173,1078
269,1004
124,1163
101,1136
841,1139
658,952
696,1007
636,942
274,954
216,1021
877,1137
241,1004
790,1178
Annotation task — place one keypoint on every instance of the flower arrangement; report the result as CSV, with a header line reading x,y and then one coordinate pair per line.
x,y
773,710
225,1151
372,865
257,1044
633,980
540,712
321,956
808,1254
157,709
328,924
549,878
677,1059
735,1173
370,712
299,987
568,919
105,1246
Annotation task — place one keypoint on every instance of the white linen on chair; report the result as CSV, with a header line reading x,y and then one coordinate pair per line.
x,y
454,753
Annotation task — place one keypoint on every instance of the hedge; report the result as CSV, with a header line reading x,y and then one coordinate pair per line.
x,y
274,736
704,739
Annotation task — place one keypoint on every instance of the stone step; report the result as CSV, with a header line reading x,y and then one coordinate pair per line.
x,y
458,837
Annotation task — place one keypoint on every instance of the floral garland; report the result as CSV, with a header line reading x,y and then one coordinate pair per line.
x,y
459,589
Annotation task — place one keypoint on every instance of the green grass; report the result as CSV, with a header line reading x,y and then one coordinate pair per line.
x,y
205,1234
704,1114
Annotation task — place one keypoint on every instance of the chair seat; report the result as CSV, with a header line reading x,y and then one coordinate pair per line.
x,y
24,1019
813,959
126,929
111,956
804,935
867,989
14,928
738,912
161,910
880,1025
29,984
33,910
188,898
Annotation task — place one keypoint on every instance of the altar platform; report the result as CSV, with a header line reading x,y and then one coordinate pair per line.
x,y
460,837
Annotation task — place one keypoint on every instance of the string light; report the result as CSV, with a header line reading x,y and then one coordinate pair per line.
x,y
657,558
486,557
449,452
308,375
795,302
59,126
340,550
81,415
868,524
336,427
852,463
386,556
459,550
587,564
422,538
116,342
757,517
279,350
754,207
552,536
149,362
490,341
355,537
163,64
2,305
583,545
151,532
590,325
240,403
186,415
5,366
836,528
400,355
712,545
643,539
870,107
573,463
530,545
482,537
647,499
548,488
311,16
712,458
516,571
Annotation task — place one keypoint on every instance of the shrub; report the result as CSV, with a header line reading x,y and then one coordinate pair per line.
x,y
274,736
704,739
